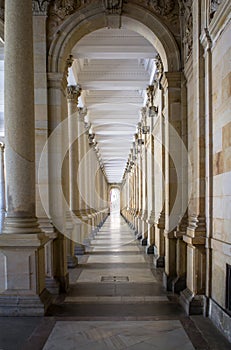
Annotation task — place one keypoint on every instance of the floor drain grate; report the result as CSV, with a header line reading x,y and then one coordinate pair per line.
x,y
114,279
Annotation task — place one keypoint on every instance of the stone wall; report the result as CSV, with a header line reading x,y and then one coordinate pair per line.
x,y
221,143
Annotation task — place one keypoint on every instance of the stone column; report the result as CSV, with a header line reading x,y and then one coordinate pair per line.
x,y
57,84
207,43
2,186
151,197
172,95
140,182
144,182
73,93
41,134
2,178
192,298
22,268
151,174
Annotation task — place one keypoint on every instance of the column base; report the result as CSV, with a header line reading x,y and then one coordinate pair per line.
x,y
179,284
72,261
192,304
144,241
220,318
79,249
64,283
150,249
52,285
139,236
158,261
167,281
25,305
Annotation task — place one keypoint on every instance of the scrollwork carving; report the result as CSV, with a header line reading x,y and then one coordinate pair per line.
x,y
40,7
59,10
64,8
160,7
186,9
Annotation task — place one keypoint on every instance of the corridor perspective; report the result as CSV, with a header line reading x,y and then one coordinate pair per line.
x,y
115,174
115,301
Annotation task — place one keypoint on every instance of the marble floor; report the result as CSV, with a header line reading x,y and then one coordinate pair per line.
x,y
116,301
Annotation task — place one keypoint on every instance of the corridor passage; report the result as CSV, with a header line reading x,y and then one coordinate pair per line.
x,y
116,300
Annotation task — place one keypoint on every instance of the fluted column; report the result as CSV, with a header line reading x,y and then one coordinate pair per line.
x,y
22,242
73,93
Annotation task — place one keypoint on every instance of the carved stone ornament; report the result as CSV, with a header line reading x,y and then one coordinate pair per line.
x,y
160,7
40,7
214,4
113,7
68,65
150,95
73,92
188,28
159,71
64,8
82,113
2,9
59,10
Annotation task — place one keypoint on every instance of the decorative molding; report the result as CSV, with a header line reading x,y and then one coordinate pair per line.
x,y
150,95
40,7
187,27
206,39
69,62
2,9
59,10
159,70
113,10
113,7
161,7
73,92
65,8
214,4
82,113
220,20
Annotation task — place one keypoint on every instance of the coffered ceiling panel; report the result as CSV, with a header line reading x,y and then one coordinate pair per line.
x,y
114,68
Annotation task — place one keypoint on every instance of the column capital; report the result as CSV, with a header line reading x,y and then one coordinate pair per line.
x,y
73,93
82,113
39,7
2,146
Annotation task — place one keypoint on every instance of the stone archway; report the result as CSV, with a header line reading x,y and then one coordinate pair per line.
x,y
94,16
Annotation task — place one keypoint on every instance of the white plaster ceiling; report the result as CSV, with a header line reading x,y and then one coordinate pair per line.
x,y
114,68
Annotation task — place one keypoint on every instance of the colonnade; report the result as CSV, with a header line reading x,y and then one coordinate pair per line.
x,y
49,217
155,188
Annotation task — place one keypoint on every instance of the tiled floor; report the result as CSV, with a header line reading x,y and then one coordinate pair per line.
x,y
116,301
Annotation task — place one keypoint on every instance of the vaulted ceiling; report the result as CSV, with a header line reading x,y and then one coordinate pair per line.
x,y
114,68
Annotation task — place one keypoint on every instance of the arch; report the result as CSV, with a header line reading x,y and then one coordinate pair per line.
x,y
134,18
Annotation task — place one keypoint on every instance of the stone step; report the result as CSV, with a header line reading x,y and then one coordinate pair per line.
x,y
116,299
